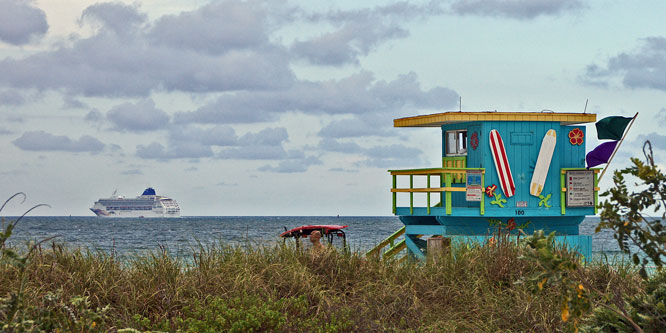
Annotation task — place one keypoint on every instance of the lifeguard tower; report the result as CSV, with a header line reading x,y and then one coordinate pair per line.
x,y
536,179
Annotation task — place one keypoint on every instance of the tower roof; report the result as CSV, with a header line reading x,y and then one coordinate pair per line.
x,y
451,117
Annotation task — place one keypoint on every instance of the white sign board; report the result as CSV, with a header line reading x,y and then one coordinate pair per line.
x,y
580,188
474,188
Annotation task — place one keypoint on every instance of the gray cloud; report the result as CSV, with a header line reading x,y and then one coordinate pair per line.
x,y
121,59
215,28
4,131
332,145
94,116
376,156
265,137
661,116
353,128
355,94
196,142
516,9
658,141
644,67
20,22
343,170
137,117
15,119
70,102
176,150
115,16
292,165
132,172
42,141
358,32
226,184
11,97
345,45
392,156
253,153
214,136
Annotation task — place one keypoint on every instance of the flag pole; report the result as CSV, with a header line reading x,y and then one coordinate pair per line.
x,y
617,146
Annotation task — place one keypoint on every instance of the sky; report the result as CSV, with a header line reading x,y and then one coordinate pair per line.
x,y
286,107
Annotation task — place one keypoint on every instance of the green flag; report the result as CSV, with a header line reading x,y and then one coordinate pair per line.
x,y
612,127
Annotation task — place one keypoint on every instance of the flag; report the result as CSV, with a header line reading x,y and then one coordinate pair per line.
x,y
601,154
612,127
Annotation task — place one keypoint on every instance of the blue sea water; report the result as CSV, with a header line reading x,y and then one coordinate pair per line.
x,y
181,236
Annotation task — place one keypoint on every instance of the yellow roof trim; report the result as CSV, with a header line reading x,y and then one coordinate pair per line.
x,y
439,119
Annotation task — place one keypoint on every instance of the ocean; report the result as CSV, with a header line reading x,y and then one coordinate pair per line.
x,y
181,236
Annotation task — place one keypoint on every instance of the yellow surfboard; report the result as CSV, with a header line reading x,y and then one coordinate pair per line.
x,y
543,162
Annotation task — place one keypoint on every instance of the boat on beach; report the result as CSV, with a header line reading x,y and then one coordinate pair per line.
x,y
328,231
148,204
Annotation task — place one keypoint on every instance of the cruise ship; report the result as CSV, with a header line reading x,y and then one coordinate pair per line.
x,y
147,204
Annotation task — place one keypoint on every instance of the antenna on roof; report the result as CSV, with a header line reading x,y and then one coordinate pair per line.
x,y
584,110
460,105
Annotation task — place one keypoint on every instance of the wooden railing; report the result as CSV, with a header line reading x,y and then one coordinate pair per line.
x,y
446,176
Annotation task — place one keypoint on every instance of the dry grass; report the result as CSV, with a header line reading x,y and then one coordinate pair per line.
x,y
474,289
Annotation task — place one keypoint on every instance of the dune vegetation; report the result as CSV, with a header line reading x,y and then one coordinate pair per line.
x,y
474,288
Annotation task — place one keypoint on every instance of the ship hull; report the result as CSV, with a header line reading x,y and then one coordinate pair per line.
x,y
132,214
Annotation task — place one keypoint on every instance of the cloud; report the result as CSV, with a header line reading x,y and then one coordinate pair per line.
x,y
70,102
343,170
345,45
358,32
94,116
15,119
265,137
332,145
261,152
4,131
197,142
20,22
42,141
215,28
124,58
356,127
223,184
644,67
658,141
292,165
116,17
515,9
175,150
11,98
391,156
132,172
359,93
383,156
214,136
661,116
137,117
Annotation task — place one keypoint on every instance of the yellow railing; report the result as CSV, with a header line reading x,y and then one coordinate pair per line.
x,y
446,177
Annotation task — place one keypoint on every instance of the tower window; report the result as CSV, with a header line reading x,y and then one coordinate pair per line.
x,y
456,143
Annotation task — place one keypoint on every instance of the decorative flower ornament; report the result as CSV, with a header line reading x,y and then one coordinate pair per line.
x,y
474,140
490,190
576,136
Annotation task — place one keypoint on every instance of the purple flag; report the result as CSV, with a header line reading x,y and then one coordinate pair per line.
x,y
601,154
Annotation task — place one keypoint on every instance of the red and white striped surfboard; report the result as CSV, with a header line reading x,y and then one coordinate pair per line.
x,y
502,164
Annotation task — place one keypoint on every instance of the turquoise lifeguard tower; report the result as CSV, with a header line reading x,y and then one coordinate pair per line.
x,y
463,196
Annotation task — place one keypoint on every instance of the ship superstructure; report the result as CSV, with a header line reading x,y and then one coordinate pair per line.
x,y
148,204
